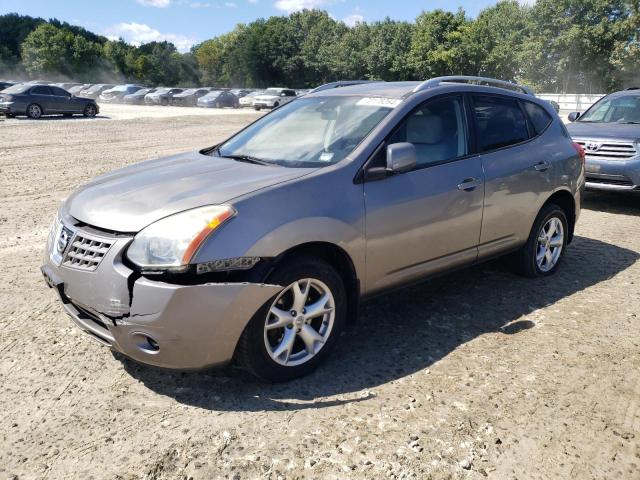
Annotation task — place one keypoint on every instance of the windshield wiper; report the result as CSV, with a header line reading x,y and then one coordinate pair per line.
x,y
247,159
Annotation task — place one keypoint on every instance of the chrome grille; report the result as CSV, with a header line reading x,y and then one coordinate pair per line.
x,y
86,253
608,150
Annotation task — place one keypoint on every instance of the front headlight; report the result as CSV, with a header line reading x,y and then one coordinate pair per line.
x,y
173,241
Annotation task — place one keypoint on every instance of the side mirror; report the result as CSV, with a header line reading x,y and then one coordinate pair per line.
x,y
573,116
401,157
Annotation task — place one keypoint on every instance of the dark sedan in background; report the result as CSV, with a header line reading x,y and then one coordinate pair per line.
x,y
137,98
219,99
189,97
34,101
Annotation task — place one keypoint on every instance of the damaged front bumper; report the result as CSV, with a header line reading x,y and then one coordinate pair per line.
x,y
184,327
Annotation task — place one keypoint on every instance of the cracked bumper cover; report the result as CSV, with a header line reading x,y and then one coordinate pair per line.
x,y
193,326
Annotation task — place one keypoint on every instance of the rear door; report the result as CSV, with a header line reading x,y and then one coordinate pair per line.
x,y
426,220
41,94
518,171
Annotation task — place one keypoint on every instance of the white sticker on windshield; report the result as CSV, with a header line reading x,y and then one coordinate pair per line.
x,y
326,156
379,102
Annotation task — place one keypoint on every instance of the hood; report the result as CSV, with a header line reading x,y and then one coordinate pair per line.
x,y
613,131
133,197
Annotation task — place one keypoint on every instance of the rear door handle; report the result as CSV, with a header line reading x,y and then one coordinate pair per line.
x,y
542,166
469,184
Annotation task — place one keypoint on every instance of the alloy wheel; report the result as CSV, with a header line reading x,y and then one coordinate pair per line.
x,y
550,243
35,111
299,322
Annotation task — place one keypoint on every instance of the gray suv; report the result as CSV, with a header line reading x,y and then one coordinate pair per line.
x,y
261,248
609,131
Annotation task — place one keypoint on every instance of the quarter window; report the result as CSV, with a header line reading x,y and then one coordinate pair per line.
x,y
539,118
500,122
436,129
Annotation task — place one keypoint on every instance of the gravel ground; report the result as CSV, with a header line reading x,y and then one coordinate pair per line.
x,y
472,375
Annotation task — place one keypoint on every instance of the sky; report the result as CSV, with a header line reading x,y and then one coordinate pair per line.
x,y
188,22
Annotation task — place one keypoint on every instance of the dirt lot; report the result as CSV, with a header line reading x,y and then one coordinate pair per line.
x,y
477,374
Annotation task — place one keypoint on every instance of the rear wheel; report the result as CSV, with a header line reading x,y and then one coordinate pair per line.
x,y
294,331
164,102
546,245
34,111
90,110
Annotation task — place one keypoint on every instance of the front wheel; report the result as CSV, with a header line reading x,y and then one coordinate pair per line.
x,y
293,332
546,245
89,111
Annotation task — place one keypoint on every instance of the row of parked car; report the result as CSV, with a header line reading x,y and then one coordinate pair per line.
x,y
38,98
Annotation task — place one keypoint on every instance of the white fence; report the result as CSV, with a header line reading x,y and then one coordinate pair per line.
x,y
571,102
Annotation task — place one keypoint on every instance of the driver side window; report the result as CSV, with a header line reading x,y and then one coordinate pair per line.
x,y
437,129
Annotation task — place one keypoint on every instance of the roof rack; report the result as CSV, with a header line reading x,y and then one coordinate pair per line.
x,y
490,82
341,83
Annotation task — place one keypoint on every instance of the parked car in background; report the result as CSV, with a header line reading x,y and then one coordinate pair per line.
x,y
137,98
4,85
189,97
94,91
247,100
35,100
261,247
609,131
116,93
240,92
162,96
66,85
273,97
219,99
75,90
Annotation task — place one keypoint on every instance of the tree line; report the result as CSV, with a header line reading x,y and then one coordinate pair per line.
x,y
571,46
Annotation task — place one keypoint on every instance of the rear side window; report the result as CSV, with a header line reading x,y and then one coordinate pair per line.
x,y
40,90
500,122
539,118
60,92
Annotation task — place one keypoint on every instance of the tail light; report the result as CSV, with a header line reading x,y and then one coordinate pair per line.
x,y
580,149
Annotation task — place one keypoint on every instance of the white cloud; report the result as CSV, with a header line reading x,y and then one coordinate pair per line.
x,y
230,4
139,33
199,5
290,6
253,2
353,19
155,3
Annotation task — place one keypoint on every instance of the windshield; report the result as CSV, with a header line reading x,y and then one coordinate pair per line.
x,y
272,91
95,88
189,91
120,88
213,94
624,109
19,88
309,132
162,90
143,91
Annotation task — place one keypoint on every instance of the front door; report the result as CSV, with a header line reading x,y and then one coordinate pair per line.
x,y
428,219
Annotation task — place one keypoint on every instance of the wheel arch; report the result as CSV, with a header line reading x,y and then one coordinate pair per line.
x,y
335,256
565,200
34,103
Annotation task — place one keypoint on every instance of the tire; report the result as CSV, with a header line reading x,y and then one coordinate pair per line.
x,y
164,102
90,110
527,260
275,105
34,111
259,345
257,109
10,115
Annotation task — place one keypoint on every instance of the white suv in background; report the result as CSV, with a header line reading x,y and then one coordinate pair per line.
x,y
273,97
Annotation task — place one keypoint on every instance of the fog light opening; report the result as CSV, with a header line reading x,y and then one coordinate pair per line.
x,y
146,343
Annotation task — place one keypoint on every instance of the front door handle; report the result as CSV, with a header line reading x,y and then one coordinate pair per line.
x,y
542,166
469,184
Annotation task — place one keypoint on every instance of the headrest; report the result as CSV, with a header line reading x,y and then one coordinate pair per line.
x,y
425,129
